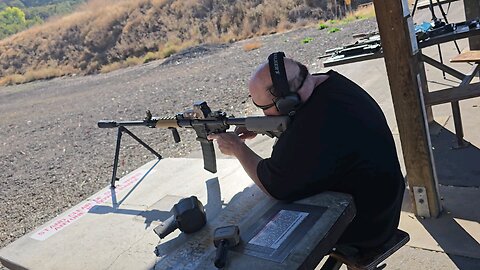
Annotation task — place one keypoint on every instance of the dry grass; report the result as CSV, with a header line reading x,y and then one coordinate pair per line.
x,y
36,74
104,35
364,12
131,61
252,45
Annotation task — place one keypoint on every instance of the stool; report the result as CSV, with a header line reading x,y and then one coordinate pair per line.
x,y
367,259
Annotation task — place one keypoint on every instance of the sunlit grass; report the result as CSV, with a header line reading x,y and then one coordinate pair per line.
x,y
36,74
362,13
252,45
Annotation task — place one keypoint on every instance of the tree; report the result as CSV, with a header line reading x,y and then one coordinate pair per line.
x,y
12,20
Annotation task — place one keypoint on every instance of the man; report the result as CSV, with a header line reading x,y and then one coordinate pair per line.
x,y
338,140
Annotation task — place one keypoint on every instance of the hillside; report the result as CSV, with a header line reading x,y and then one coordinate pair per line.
x,y
103,33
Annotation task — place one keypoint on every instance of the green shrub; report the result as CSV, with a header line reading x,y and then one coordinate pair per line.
x,y
307,40
150,56
322,26
332,22
168,51
333,30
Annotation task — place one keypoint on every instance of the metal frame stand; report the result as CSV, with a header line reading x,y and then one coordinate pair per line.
x,y
457,118
120,131
435,19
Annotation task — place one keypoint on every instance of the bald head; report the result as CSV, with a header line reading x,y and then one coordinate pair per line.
x,y
261,87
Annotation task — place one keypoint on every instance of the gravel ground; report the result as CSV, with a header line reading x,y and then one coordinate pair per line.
x,y
52,155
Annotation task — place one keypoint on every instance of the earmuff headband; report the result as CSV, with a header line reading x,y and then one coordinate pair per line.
x,y
278,74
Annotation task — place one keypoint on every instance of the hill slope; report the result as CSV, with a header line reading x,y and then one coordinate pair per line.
x,y
105,31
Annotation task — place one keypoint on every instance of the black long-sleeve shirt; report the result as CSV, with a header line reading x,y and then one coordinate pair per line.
x,y
339,140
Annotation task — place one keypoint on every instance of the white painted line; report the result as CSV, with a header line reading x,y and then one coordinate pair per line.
x,y
82,209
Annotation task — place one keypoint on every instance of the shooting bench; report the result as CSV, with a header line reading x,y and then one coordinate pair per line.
x,y
464,90
113,229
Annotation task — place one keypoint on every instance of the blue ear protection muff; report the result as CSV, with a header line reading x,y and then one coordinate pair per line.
x,y
285,101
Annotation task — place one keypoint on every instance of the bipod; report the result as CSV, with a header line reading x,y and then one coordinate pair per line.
x,y
120,131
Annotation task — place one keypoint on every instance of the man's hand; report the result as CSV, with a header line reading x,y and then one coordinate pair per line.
x,y
244,134
229,143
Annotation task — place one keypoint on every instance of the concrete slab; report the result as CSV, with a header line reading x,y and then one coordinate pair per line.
x,y
455,232
415,258
455,166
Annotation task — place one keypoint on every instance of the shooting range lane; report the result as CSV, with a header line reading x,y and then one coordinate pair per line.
x,y
116,232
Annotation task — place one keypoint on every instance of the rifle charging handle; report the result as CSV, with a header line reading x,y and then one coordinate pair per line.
x,y
188,216
223,239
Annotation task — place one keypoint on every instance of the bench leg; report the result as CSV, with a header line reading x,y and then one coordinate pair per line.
x,y
457,120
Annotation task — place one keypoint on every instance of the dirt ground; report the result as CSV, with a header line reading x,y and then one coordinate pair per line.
x,y
53,155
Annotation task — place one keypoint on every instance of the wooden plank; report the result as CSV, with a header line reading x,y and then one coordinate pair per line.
x,y
426,4
404,78
467,56
452,94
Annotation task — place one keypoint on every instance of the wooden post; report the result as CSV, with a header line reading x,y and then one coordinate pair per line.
x,y
402,62
472,11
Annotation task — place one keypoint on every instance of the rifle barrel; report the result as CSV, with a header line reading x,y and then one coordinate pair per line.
x,y
113,123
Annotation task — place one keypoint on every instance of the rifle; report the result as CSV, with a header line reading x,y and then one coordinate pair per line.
x,y
204,121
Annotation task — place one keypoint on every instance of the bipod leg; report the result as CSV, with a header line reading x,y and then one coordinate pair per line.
x,y
115,159
122,129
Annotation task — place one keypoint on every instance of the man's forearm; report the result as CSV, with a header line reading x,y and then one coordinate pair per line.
x,y
249,161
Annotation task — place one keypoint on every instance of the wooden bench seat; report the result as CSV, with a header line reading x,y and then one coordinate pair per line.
x,y
467,56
